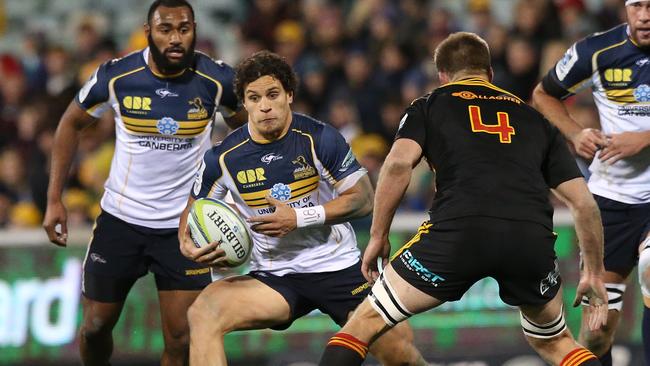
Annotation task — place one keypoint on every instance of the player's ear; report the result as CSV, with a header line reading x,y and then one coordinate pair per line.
x,y
443,77
147,29
290,97
490,74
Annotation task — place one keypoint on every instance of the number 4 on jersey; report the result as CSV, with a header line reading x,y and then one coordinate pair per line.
x,y
502,128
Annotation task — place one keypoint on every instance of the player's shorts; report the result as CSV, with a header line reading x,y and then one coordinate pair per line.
x,y
446,258
334,293
625,226
119,253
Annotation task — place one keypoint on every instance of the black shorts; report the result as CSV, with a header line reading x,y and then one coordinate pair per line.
x,y
446,258
334,293
119,253
625,227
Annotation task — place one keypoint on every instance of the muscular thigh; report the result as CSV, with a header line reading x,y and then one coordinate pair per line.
x,y
243,302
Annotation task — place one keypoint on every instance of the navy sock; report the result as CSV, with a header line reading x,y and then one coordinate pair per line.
x,y
606,358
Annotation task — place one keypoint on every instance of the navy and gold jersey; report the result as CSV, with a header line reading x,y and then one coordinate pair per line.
x,y
618,72
493,155
306,167
162,128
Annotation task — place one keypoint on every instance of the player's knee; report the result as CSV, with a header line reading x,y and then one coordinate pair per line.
x,y
205,315
95,327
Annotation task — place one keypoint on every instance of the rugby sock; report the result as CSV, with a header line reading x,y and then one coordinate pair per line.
x,y
344,350
580,357
645,332
606,358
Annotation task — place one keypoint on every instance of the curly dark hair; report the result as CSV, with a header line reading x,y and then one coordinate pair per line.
x,y
264,63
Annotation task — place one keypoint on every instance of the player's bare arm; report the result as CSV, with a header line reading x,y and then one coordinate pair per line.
x,y
590,238
210,254
394,178
66,139
354,202
586,141
623,145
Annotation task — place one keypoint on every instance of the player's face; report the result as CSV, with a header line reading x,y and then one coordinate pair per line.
x,y
638,17
268,107
171,37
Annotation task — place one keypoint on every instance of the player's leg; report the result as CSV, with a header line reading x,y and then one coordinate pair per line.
x,y
600,341
179,281
391,301
546,331
173,309
111,267
623,226
95,332
233,303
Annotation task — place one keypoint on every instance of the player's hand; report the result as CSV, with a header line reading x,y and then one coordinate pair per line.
x,y
622,145
588,141
377,248
277,224
210,255
592,287
56,223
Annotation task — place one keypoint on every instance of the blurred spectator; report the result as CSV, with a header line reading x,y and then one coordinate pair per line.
x,y
370,150
262,20
576,22
344,116
521,74
24,215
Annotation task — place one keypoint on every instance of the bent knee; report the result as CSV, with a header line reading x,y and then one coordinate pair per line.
x,y
93,327
208,315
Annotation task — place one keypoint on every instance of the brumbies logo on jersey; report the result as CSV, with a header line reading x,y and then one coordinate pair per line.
x,y
197,111
304,170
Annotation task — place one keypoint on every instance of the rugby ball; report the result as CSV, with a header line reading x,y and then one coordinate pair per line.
x,y
212,220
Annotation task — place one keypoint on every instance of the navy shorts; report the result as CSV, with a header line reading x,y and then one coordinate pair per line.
x,y
334,293
625,227
446,258
119,253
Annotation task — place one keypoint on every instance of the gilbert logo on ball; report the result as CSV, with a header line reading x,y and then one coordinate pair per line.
x,y
213,220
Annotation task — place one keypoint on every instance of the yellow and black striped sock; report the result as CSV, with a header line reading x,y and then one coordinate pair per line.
x,y
580,357
344,350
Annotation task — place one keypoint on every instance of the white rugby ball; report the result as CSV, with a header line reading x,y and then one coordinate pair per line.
x,y
212,220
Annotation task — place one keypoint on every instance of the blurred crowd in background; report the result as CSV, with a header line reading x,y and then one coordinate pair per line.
x,y
360,63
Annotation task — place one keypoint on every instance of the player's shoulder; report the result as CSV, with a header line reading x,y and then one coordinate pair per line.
x,y
601,40
125,64
235,138
305,124
211,68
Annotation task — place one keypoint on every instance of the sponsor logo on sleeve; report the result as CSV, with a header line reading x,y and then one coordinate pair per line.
x,y
402,121
349,159
83,93
565,65
198,179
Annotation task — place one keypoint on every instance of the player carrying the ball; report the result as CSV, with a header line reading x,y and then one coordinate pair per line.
x,y
297,182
